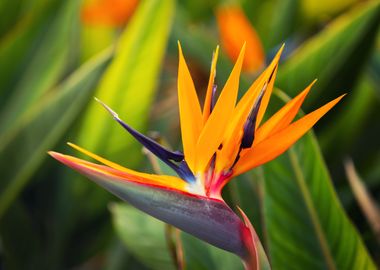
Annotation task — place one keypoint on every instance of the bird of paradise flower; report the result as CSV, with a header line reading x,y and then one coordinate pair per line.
x,y
221,141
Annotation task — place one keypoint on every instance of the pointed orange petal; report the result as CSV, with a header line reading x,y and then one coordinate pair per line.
x,y
100,159
235,128
127,174
110,163
189,111
245,104
275,145
210,86
213,132
231,142
283,117
268,93
232,19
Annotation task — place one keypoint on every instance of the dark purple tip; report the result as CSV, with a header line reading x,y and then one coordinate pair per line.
x,y
249,126
158,150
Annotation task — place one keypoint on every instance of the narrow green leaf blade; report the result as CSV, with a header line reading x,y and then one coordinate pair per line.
x,y
129,84
44,68
306,225
23,148
18,46
350,120
143,235
200,255
334,56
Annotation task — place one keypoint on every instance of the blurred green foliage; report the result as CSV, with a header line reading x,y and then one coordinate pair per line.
x,y
51,65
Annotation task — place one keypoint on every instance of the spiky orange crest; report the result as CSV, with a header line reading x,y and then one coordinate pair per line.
x,y
224,139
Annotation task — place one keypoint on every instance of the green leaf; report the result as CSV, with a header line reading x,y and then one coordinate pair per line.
x,y
14,11
18,46
45,67
200,255
334,56
129,84
350,120
23,148
320,9
118,258
95,38
20,238
284,23
306,225
144,236
9,12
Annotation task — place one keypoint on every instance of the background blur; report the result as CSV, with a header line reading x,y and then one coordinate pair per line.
x,y
55,56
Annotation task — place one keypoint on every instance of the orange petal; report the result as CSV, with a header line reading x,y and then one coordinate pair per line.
x,y
268,93
100,159
231,142
207,105
189,111
114,169
230,20
213,132
235,129
275,145
245,104
283,117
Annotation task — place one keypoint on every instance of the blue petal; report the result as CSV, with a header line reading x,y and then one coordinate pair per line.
x,y
249,126
150,144
161,152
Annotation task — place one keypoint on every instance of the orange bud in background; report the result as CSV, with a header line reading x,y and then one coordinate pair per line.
x,y
108,12
235,29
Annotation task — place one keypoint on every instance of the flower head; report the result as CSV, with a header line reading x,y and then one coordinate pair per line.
x,y
220,141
